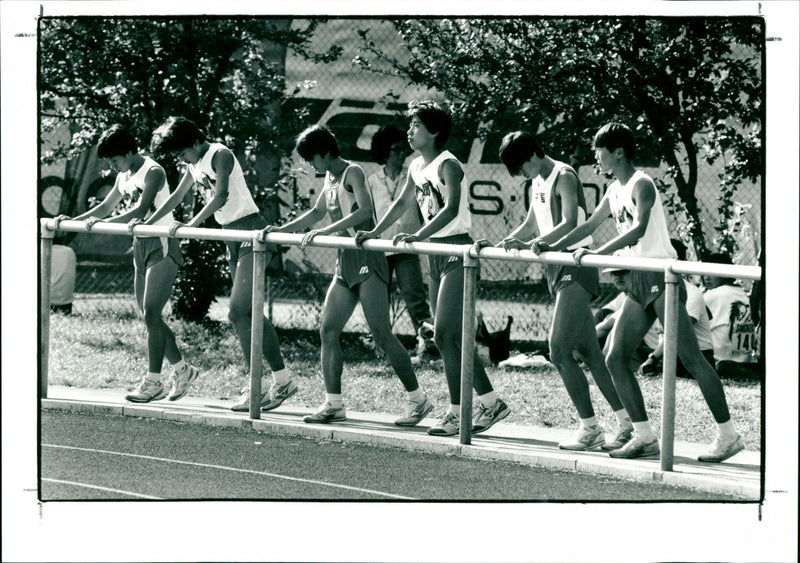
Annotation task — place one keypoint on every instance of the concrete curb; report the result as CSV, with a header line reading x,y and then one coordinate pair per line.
x,y
376,430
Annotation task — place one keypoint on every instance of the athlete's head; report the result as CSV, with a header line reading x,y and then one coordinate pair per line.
x,y
386,140
175,135
116,141
316,140
433,117
517,148
612,136
715,281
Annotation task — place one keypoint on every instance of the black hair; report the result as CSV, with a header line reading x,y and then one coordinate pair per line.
x,y
383,140
316,139
517,148
116,141
176,134
616,135
435,119
679,247
720,258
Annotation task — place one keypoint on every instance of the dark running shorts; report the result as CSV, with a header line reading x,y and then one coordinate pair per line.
x,y
646,287
441,265
559,276
236,250
355,266
148,251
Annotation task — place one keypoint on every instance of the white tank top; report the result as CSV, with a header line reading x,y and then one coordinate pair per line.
x,y
339,201
131,187
431,200
547,205
655,242
240,201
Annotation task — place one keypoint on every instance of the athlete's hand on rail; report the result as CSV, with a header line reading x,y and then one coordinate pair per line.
x,y
132,223
89,223
480,243
262,236
513,243
538,246
578,255
307,238
174,227
405,237
362,236
57,220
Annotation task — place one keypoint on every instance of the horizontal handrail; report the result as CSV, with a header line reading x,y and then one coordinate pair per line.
x,y
440,249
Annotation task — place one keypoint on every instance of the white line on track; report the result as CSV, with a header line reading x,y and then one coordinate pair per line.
x,y
235,469
107,489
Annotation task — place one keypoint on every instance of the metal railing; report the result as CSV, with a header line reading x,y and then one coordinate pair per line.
x,y
671,268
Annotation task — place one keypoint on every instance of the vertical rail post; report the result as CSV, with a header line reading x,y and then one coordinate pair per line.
x,y
46,269
671,305
468,345
257,327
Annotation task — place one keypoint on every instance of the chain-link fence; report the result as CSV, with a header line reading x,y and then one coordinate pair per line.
x,y
354,104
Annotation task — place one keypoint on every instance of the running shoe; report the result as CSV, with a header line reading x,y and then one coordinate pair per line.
x,y
488,416
622,437
585,439
278,394
242,404
637,448
325,414
722,449
415,412
146,392
182,381
448,426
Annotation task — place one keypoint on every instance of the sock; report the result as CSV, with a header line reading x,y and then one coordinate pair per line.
x,y
416,396
455,409
727,430
281,377
179,366
153,377
489,399
623,418
644,431
589,422
334,400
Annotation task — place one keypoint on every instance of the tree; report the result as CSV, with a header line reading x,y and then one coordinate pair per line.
x,y
226,74
690,87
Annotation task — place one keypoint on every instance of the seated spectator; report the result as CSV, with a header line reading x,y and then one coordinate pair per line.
x,y
733,333
696,307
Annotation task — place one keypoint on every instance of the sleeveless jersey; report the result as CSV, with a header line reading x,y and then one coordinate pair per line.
x,y
240,201
547,205
131,187
340,201
431,200
655,243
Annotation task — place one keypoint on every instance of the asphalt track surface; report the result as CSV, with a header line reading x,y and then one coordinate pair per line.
x,y
97,457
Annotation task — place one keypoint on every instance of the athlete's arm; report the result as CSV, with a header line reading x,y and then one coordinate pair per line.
x,y
567,191
395,211
187,181
105,207
583,230
451,174
222,164
153,181
312,216
355,179
644,197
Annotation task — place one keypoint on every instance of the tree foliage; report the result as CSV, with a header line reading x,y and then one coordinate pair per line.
x,y
691,88
226,74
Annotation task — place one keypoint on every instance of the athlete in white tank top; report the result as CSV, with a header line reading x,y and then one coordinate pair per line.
x,y
240,201
655,242
430,199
